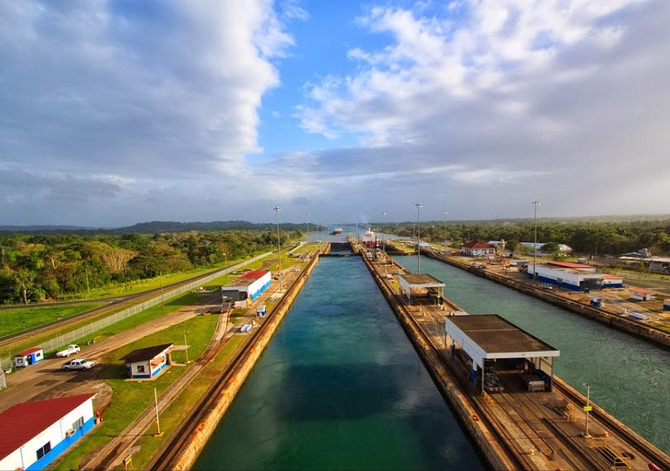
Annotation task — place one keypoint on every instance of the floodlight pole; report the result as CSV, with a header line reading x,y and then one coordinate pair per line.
x,y
277,210
418,236
536,203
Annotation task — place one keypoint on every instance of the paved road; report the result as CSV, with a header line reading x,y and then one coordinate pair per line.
x,y
45,379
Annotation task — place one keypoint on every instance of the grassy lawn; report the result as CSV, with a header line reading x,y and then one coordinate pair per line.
x,y
130,398
19,319
173,415
144,316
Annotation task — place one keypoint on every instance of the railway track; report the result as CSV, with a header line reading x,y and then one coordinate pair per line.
x,y
546,434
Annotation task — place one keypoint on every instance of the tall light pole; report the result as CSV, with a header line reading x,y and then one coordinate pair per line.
x,y
307,222
536,203
277,210
384,236
445,228
418,237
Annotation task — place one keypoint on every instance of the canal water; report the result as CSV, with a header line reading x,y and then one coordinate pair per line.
x,y
629,377
339,387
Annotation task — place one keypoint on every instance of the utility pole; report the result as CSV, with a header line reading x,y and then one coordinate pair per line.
x,y
418,237
535,204
587,409
158,423
186,346
277,210
160,276
445,228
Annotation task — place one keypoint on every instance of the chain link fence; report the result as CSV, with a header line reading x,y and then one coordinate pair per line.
x,y
70,337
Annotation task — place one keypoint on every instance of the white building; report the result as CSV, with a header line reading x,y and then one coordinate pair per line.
x,y
248,286
149,362
477,248
574,276
33,434
562,248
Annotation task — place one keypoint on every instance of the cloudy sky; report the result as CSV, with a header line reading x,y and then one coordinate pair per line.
x,y
123,111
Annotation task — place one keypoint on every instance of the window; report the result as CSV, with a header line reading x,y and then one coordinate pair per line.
x,y
78,424
46,448
140,368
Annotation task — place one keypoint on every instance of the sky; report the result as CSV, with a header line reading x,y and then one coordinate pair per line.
x,y
115,112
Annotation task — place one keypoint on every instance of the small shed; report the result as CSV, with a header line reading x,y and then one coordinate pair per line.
x,y
639,294
33,434
28,357
147,363
431,288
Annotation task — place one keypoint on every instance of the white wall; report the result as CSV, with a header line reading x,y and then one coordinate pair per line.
x,y
55,434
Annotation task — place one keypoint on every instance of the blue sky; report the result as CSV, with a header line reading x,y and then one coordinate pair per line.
x,y
117,112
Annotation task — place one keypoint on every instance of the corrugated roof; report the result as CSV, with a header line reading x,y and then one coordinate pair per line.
x,y
148,353
28,352
576,266
26,420
253,275
478,244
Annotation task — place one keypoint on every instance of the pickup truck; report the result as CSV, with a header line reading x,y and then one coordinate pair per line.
x,y
78,364
71,349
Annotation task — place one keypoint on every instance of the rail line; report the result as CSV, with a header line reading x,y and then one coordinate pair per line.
x,y
525,420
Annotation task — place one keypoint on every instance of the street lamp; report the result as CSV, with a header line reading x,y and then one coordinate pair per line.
x,y
535,204
418,237
384,236
445,228
277,210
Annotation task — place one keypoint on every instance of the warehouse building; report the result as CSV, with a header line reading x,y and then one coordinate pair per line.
x,y
574,276
35,433
248,286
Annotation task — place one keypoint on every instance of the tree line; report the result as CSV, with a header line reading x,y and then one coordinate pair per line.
x,y
39,267
592,238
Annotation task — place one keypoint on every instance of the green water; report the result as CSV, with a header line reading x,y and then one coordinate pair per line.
x,y
339,387
629,377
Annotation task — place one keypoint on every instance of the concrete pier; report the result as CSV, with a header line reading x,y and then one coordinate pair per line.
x,y
514,428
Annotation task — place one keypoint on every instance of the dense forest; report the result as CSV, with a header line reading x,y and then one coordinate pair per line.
x,y
591,238
38,267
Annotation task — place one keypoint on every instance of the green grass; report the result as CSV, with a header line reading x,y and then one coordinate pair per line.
x,y
130,398
173,415
18,319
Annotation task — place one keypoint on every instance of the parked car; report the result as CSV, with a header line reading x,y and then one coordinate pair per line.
x,y
78,364
70,350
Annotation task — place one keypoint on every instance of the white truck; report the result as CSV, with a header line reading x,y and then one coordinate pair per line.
x,y
78,364
70,350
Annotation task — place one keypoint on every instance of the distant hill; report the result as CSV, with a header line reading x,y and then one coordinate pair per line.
x,y
158,227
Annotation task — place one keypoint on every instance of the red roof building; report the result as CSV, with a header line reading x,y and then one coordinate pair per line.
x,y
478,247
34,433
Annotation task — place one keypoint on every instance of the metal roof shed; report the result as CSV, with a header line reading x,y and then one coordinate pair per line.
x,y
409,282
146,363
490,337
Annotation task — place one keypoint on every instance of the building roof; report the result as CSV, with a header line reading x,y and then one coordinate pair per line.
x,y
247,279
488,336
26,420
639,290
612,277
576,266
478,244
421,281
28,352
145,354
